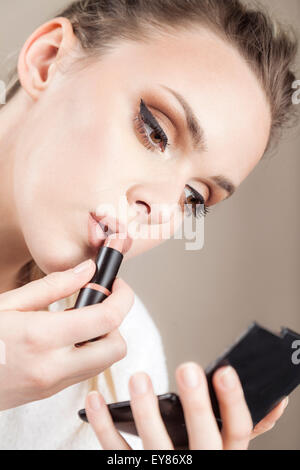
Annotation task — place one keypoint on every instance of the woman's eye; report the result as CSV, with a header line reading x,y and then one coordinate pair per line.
x,y
154,138
194,203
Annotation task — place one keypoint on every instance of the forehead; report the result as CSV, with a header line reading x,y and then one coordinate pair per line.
x,y
215,80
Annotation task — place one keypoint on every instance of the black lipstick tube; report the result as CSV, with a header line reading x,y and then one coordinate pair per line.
x,y
108,263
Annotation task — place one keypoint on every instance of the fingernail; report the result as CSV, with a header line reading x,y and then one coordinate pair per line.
x,y
82,267
94,401
139,383
190,375
228,378
285,403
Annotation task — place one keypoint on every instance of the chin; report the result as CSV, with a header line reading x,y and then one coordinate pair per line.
x,y
57,258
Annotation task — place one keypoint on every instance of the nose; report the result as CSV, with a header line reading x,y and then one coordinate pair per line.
x,y
148,205
140,210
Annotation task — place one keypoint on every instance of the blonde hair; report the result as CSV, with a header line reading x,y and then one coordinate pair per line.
x,y
267,46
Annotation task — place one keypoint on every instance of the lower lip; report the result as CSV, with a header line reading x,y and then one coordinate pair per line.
x,y
93,236
93,233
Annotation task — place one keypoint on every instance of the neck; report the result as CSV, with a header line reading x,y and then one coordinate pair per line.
x,y
13,249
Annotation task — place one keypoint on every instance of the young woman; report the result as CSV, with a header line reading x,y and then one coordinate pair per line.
x,y
159,103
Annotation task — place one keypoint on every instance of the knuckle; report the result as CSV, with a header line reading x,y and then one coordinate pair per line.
x,y
144,415
41,377
242,433
114,316
127,293
33,337
104,428
233,398
199,405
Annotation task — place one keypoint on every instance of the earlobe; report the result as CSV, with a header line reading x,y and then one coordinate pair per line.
x,y
41,53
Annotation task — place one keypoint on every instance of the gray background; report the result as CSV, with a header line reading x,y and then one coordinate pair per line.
x,y
249,268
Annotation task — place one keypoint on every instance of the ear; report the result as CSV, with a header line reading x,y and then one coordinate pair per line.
x,y
42,52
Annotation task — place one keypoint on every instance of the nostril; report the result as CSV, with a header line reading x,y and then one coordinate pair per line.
x,y
143,207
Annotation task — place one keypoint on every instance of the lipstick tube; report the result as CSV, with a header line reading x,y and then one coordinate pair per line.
x,y
108,263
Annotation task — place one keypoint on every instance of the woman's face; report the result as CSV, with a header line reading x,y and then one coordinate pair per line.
x,y
85,147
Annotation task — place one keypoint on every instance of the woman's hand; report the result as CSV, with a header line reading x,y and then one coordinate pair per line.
x,y
41,358
203,432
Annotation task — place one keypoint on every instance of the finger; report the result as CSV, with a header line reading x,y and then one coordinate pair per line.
x,y
79,325
38,294
146,413
101,421
94,358
270,420
236,418
200,421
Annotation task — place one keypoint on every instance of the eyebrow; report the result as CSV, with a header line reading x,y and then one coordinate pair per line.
x,y
198,137
225,184
196,132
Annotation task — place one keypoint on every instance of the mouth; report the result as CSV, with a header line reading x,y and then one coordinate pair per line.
x,y
99,228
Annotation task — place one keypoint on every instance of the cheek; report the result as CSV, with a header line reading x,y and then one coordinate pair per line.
x,y
58,180
142,246
165,233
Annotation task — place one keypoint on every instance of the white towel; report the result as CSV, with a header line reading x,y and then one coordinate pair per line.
x,y
53,423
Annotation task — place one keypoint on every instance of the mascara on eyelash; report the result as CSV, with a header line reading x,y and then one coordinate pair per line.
x,y
201,210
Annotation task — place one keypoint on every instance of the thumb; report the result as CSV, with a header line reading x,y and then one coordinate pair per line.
x,y
37,295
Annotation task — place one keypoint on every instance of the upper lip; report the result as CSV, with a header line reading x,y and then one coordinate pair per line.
x,y
111,225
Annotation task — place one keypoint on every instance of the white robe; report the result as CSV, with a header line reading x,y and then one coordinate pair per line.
x,y
53,423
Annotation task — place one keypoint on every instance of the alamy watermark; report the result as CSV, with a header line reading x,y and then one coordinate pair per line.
x,y
296,354
2,92
296,94
164,222
2,353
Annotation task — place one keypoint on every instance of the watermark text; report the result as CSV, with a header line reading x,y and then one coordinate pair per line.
x,y
296,354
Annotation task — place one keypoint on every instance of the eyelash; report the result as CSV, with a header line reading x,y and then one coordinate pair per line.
x,y
146,117
199,208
